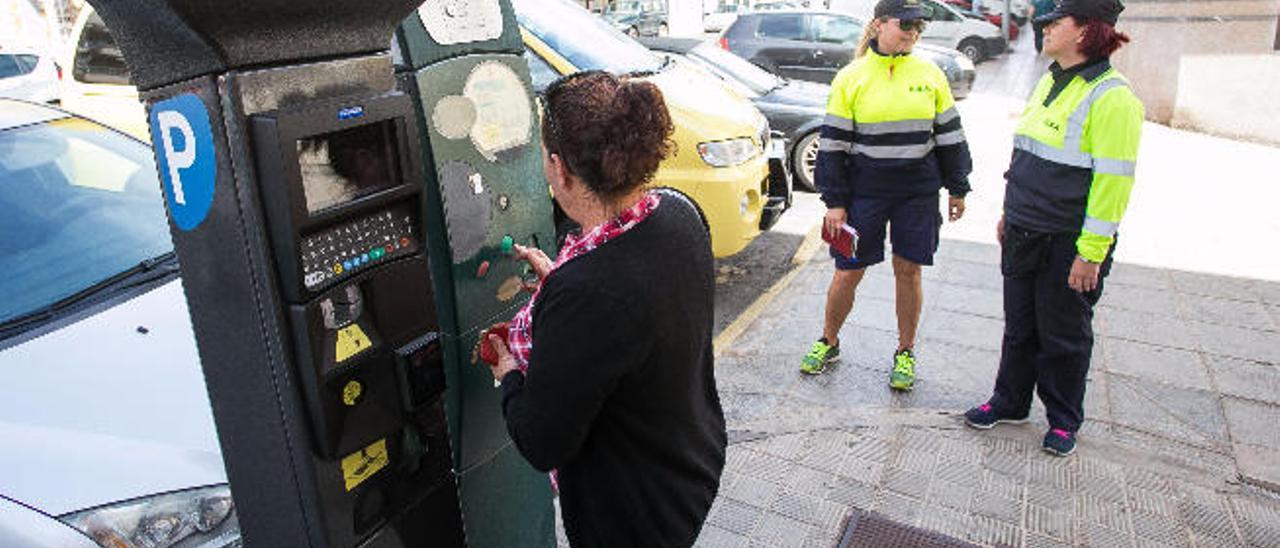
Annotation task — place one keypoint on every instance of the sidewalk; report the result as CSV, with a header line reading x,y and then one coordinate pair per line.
x,y
1179,446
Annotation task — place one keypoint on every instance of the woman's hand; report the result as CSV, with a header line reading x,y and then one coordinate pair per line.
x,y
1000,230
1083,276
538,260
955,208
835,217
505,363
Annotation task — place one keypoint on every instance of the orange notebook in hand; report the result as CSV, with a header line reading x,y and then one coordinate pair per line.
x,y
844,241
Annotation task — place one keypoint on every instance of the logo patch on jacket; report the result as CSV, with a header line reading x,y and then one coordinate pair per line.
x,y
1053,125
922,88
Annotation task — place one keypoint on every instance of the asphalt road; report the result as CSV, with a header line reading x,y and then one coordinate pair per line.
x,y
744,277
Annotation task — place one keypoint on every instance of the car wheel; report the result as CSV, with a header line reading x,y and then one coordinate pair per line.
x,y
633,32
973,49
804,161
663,30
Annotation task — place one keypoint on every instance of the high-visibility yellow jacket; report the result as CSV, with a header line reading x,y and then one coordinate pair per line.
x,y
1075,151
891,129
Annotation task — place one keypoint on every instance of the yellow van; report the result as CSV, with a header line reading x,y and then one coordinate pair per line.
x,y
721,161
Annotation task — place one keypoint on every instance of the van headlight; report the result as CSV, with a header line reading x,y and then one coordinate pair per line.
x,y
729,152
203,517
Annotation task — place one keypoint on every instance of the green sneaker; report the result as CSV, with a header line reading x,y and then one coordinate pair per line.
x,y
904,371
818,357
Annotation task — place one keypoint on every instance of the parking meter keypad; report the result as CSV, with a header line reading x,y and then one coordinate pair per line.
x,y
339,251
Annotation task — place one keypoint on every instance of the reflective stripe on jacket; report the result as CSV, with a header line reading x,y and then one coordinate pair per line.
x,y
891,129
1074,159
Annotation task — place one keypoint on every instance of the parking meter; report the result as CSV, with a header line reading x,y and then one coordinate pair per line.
x,y
462,64
292,172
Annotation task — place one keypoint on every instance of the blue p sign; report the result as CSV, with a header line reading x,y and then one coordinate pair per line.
x,y
188,164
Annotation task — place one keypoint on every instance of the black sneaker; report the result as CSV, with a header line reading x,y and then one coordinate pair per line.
x,y
984,417
1059,442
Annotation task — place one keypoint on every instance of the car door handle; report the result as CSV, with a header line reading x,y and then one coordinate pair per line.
x,y
817,53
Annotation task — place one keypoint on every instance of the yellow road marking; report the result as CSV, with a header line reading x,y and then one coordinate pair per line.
x,y
812,242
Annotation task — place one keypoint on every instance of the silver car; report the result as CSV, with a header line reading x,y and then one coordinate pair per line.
x,y
29,76
108,435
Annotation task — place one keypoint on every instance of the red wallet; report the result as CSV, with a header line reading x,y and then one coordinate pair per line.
x,y
844,241
487,354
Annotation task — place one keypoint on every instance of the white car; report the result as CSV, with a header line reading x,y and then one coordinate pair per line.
x,y
108,435
720,19
948,27
29,76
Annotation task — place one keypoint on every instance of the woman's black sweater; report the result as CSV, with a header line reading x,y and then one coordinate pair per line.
x,y
620,394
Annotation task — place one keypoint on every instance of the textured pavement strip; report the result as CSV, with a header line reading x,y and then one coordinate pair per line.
x,y
1179,385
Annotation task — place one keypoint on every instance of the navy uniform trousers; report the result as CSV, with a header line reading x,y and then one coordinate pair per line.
x,y
1048,328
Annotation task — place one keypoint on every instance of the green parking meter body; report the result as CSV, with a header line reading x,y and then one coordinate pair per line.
x,y
291,171
462,64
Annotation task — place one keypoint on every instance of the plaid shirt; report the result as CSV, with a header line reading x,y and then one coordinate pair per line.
x,y
520,334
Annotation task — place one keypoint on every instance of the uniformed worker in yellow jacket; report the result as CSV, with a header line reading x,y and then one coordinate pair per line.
x,y
1074,156
891,140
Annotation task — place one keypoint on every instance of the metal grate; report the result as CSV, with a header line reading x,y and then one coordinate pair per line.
x,y
871,530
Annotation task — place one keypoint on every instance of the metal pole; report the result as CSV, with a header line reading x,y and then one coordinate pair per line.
x,y
1004,20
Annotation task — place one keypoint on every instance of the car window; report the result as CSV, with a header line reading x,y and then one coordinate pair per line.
x,y
14,65
98,59
623,7
835,30
585,40
540,71
757,79
935,12
787,27
79,203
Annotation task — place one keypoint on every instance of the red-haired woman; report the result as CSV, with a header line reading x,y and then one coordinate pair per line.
x,y
1074,157
609,377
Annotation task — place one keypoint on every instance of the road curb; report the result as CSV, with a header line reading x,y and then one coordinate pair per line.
x,y
808,247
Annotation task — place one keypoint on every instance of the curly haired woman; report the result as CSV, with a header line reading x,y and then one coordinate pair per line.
x,y
609,378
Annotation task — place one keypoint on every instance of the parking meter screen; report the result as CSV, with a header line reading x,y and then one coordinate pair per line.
x,y
345,165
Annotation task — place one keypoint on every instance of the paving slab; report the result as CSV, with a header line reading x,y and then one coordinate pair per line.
x,y
1173,427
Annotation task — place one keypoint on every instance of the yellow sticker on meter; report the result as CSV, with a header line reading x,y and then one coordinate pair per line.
x,y
366,462
351,341
351,393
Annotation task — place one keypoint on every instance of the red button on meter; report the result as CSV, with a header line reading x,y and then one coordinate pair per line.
x,y
482,269
404,242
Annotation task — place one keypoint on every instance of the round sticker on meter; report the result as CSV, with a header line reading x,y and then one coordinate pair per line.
x,y
183,140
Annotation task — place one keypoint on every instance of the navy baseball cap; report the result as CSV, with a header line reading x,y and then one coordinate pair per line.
x,y
1107,11
906,10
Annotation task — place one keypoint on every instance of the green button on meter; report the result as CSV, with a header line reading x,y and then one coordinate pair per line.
x,y
507,245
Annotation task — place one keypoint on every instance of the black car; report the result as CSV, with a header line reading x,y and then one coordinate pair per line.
x,y
638,17
814,45
795,108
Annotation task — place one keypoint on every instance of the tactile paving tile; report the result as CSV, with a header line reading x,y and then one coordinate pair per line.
x,y
766,467
994,532
848,492
1157,528
1094,535
735,517
779,531
872,530
1206,517
1049,523
1260,524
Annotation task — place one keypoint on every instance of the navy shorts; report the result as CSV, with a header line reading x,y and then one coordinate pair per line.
x,y
913,224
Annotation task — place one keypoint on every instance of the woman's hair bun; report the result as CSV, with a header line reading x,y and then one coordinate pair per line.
x,y
612,132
